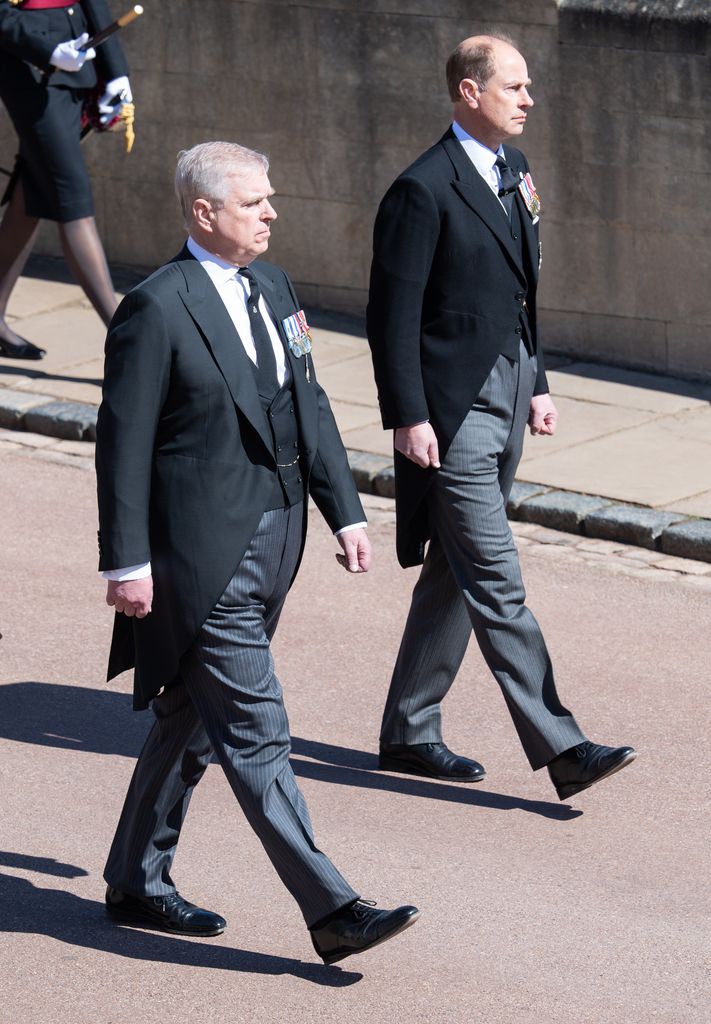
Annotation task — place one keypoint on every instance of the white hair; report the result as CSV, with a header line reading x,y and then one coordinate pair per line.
x,y
205,170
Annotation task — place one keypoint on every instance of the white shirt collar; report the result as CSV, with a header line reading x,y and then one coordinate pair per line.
x,y
480,155
219,270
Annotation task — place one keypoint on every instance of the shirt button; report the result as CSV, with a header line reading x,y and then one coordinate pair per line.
x,y
70,10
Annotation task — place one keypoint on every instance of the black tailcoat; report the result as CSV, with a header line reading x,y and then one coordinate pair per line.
x,y
185,457
447,285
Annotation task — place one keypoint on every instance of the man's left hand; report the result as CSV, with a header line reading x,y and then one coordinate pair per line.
x,y
357,551
543,415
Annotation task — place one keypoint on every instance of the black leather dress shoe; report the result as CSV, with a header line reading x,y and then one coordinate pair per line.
x,y
168,913
581,767
25,350
435,760
358,927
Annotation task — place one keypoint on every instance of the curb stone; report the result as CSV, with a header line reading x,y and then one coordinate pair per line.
x,y
14,405
641,526
561,510
71,421
569,511
690,539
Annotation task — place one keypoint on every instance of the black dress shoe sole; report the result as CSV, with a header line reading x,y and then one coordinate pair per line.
x,y
138,919
565,792
387,763
340,954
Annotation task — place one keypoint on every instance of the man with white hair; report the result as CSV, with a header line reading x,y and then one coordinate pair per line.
x,y
211,435
459,369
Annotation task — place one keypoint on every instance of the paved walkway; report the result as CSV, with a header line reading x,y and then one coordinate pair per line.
x,y
533,911
624,436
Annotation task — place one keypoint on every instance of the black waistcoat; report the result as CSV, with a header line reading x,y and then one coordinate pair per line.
x,y
289,486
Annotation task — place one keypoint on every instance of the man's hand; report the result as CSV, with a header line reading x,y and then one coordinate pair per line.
x,y
418,444
543,416
132,597
69,57
357,550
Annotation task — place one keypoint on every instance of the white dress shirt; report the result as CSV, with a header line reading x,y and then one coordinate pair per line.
x,y
483,158
233,289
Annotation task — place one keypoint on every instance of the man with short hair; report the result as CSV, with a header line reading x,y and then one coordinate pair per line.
x,y
459,370
211,435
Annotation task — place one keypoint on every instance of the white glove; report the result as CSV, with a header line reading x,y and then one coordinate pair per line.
x,y
116,91
68,57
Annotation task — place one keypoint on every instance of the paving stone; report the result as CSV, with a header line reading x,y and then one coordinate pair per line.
x,y
72,421
365,468
560,510
544,535
14,405
631,524
520,492
639,554
689,539
688,565
600,547
384,482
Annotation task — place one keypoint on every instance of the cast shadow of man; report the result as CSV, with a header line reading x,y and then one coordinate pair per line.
x,y
77,921
102,722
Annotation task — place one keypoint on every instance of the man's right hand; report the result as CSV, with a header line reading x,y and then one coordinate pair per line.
x,y
69,57
132,597
418,444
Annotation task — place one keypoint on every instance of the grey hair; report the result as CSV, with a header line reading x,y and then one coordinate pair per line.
x,y
475,62
205,171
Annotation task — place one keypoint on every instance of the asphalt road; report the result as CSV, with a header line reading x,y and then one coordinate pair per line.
x,y
595,910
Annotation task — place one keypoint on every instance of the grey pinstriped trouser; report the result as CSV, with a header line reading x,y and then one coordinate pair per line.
x,y
471,579
229,700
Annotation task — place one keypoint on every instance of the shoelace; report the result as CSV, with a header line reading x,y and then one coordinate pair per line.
x,y
360,908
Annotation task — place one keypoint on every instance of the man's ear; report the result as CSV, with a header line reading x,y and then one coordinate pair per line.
x,y
469,92
203,215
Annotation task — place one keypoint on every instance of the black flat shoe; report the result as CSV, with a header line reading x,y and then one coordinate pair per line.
x,y
433,760
358,927
167,913
581,767
26,350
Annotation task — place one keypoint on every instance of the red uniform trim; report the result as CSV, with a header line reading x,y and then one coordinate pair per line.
x,y
47,5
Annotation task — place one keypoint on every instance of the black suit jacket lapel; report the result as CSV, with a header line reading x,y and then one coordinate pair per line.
x,y
281,306
208,311
471,187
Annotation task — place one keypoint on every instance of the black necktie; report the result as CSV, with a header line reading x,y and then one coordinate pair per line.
x,y
266,360
509,185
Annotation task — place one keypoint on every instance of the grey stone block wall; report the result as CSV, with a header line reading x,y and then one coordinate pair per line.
x,y
343,94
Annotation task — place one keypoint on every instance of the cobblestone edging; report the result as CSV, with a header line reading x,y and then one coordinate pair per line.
x,y
670,533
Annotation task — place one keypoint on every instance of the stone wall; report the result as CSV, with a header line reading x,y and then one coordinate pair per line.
x,y
342,94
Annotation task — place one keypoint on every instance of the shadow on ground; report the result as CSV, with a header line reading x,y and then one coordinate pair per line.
x,y
103,722
61,915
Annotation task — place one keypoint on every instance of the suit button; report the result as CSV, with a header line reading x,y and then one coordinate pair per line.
x,y
520,296
298,479
515,238
517,331
291,408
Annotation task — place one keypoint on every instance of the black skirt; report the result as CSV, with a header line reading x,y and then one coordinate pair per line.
x,y
50,163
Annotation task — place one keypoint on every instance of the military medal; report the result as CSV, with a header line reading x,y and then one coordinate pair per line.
x,y
529,195
298,334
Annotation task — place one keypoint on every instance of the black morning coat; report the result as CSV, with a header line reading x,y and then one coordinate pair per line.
x,y
28,38
446,289
185,459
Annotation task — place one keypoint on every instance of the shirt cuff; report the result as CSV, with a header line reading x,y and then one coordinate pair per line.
x,y
131,572
345,529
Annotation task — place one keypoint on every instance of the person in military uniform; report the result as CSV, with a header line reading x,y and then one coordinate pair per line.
x,y
45,80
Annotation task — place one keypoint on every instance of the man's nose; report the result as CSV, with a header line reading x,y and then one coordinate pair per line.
x,y
527,98
269,213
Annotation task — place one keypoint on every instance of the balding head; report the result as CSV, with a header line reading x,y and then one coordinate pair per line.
x,y
475,59
488,83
